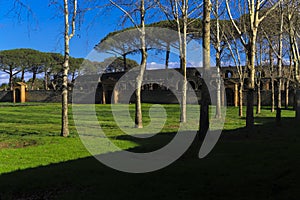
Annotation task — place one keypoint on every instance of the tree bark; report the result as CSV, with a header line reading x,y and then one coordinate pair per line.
x,y
250,115
125,62
241,99
23,76
218,61
278,110
272,95
64,119
183,61
287,92
167,56
139,79
11,79
33,80
258,107
46,78
65,67
204,112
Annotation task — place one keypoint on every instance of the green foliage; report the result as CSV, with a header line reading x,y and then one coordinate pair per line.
x,y
32,61
118,64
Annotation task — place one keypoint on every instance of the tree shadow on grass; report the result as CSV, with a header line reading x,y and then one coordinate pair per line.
x,y
262,163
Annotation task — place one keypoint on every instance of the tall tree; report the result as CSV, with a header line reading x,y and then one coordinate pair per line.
x,y
141,28
253,18
181,12
204,112
292,8
65,67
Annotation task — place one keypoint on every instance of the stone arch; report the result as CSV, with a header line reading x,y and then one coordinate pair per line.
x,y
229,96
17,95
155,86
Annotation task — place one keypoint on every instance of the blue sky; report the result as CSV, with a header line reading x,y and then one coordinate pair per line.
x,y
43,29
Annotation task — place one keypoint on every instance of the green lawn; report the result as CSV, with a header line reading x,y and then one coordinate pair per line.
x,y
36,163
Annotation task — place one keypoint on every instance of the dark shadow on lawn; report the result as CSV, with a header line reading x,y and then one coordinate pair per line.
x,y
262,163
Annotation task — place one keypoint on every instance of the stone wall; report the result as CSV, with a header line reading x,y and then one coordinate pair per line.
x,y
148,96
43,96
6,96
34,96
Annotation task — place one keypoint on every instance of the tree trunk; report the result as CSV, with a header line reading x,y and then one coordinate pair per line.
x,y
258,107
278,110
11,79
125,62
33,80
65,67
241,98
139,79
287,92
167,56
218,61
250,115
272,95
204,112
218,104
23,76
46,81
183,62
251,86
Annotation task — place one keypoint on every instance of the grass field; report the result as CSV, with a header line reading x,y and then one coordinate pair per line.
x,y
36,163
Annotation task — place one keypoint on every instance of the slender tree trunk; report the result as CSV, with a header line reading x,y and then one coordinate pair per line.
x,y
139,79
272,95
65,67
65,120
11,79
46,78
125,62
218,61
204,112
272,80
258,107
23,76
33,80
73,76
218,104
167,56
183,62
251,86
278,110
287,92
241,98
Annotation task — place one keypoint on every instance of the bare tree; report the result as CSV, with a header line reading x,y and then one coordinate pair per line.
x,y
218,49
139,79
292,8
253,18
65,67
235,54
181,11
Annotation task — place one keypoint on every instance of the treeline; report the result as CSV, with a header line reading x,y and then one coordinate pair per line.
x,y
18,63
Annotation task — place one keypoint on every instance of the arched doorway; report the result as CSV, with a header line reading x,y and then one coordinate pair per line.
x,y
229,96
17,95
